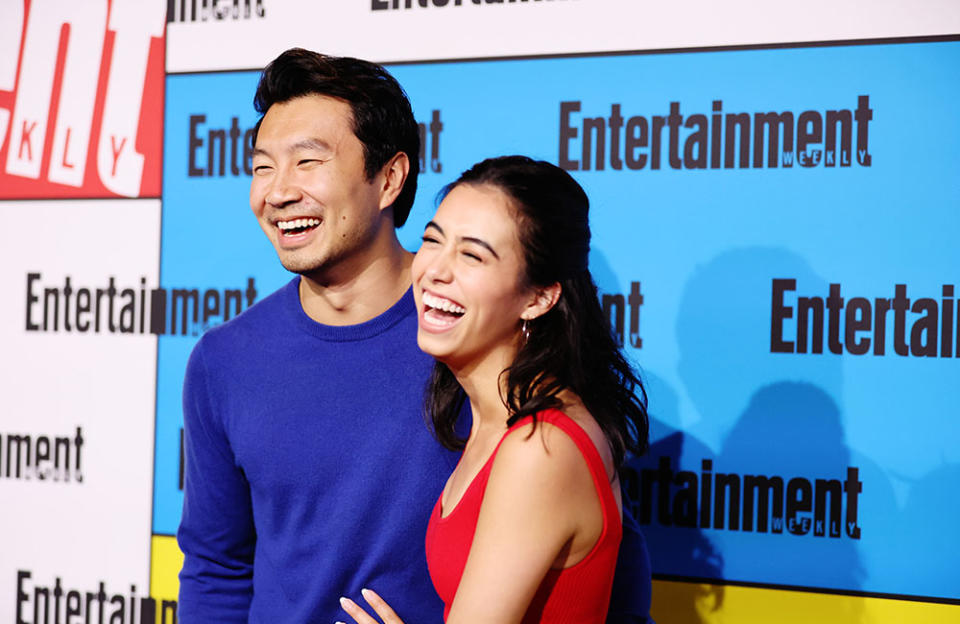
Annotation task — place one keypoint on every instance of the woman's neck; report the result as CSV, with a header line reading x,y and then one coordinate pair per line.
x,y
484,383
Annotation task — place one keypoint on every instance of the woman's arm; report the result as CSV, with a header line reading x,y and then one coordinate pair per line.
x,y
540,510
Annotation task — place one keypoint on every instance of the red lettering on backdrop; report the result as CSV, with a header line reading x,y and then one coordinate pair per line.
x,y
116,152
25,140
66,150
31,79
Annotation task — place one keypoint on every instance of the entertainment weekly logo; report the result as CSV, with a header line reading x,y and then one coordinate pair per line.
x,y
81,99
591,140
215,150
42,600
214,10
393,5
42,457
833,321
818,506
66,304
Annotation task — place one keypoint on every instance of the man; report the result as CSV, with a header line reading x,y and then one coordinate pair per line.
x,y
310,470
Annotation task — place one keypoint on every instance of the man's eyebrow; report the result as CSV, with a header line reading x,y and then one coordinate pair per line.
x,y
308,143
433,224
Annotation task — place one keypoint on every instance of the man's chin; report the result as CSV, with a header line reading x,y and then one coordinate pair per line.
x,y
299,265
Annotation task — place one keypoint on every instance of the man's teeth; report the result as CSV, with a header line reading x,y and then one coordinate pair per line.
x,y
296,224
439,303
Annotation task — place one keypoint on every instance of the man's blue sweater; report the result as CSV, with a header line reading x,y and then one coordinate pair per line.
x,y
310,472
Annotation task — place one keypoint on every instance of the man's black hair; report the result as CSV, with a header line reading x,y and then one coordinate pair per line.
x,y
382,118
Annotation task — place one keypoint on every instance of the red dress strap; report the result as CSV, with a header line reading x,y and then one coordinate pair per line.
x,y
579,594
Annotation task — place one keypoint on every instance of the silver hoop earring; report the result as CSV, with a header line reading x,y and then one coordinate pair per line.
x,y
525,331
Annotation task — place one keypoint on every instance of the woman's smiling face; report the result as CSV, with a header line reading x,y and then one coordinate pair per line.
x,y
468,279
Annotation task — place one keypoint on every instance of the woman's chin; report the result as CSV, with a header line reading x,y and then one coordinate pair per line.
x,y
432,345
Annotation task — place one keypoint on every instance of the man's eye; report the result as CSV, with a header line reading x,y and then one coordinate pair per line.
x,y
429,239
472,256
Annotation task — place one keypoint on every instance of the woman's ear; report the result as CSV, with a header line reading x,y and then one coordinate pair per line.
x,y
543,301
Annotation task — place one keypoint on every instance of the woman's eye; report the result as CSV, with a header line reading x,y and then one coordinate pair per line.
x,y
429,239
472,256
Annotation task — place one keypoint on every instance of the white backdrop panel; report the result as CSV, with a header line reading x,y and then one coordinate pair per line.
x,y
249,36
86,518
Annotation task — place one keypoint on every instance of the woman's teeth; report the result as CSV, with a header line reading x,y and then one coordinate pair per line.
x,y
444,305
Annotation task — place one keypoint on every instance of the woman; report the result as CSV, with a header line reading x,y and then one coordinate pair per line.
x,y
528,526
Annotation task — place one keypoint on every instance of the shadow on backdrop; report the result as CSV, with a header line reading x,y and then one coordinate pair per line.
x,y
792,430
632,590
675,550
723,331
931,510
672,553
757,414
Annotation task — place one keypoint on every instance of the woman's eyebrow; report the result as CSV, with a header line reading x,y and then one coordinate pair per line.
x,y
465,239
481,242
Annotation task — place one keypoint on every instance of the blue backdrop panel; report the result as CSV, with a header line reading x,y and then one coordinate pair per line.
x,y
817,455
211,242
706,246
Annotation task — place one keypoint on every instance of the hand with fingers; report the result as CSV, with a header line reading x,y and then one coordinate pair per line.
x,y
380,607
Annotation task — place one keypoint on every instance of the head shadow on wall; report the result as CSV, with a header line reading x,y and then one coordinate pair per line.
x,y
711,497
685,601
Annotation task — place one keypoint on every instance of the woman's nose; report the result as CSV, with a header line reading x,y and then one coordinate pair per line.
x,y
439,268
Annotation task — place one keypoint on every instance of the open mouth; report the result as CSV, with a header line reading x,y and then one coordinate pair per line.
x,y
294,227
441,311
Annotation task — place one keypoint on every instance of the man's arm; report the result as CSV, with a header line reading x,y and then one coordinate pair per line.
x,y
217,534
630,599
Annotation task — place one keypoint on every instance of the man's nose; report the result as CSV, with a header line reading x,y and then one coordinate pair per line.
x,y
283,189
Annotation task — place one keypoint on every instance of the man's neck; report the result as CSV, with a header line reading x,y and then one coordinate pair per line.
x,y
360,295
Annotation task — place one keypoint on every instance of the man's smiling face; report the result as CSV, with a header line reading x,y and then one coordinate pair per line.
x,y
310,191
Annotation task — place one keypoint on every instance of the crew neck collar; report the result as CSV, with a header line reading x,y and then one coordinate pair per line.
x,y
401,309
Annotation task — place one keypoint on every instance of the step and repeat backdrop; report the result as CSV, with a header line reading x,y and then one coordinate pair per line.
x,y
776,216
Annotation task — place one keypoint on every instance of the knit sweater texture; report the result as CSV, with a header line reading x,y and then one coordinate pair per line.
x,y
310,469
